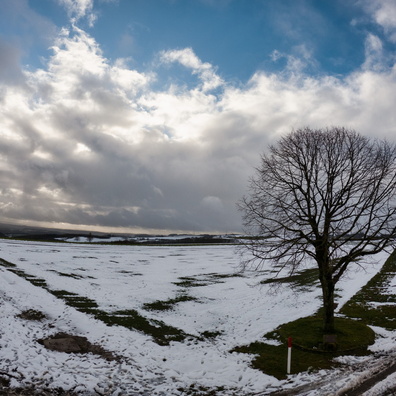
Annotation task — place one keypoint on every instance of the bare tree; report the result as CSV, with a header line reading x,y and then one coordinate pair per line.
x,y
324,194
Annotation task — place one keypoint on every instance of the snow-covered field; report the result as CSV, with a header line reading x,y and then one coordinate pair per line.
x,y
127,277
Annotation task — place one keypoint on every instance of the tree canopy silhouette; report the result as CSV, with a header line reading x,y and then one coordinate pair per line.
x,y
325,194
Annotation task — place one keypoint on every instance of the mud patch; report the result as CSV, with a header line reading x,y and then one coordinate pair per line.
x,y
63,342
32,314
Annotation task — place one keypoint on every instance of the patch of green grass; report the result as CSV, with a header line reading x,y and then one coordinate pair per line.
x,y
211,334
307,333
301,279
7,264
30,278
215,276
131,273
74,276
37,282
169,304
188,281
272,359
82,304
131,319
373,303
204,279
62,293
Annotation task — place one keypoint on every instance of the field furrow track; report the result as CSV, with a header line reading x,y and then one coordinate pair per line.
x,y
354,380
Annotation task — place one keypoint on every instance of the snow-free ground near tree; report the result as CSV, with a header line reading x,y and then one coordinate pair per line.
x,y
223,304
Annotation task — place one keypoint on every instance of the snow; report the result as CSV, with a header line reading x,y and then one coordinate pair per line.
x,y
383,386
126,277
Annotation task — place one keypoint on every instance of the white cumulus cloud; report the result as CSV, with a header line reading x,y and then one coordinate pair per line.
x,y
78,9
383,12
187,58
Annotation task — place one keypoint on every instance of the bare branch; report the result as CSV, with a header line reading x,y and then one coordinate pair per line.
x,y
325,194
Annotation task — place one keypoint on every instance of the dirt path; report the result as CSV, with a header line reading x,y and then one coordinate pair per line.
x,y
365,376
370,382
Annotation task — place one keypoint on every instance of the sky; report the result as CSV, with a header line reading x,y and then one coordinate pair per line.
x,y
150,115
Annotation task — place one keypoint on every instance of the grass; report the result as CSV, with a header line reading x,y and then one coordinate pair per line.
x,y
307,333
302,279
131,319
169,304
74,276
272,359
188,281
204,279
352,337
211,334
6,264
162,333
374,304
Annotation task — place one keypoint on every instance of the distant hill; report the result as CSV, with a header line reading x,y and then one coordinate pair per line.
x,y
76,236
20,231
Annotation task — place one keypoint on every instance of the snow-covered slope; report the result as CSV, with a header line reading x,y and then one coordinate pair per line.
x,y
127,277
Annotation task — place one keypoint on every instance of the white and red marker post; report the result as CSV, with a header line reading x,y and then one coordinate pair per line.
x,y
289,348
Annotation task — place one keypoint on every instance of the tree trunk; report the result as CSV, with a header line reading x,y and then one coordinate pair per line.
x,y
328,305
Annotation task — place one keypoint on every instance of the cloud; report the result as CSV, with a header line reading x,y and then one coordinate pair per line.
x,y
10,70
301,61
374,54
78,9
90,141
383,12
187,58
